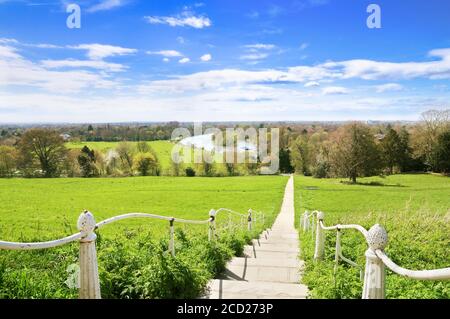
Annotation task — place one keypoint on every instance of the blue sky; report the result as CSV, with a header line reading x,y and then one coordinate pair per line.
x,y
135,60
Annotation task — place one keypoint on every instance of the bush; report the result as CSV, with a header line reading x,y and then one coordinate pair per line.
x,y
190,172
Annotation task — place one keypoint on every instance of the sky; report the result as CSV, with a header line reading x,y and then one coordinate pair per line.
x,y
234,60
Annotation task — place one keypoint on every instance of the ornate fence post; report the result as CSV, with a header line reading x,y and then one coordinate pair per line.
x,y
172,237
212,225
305,221
89,280
249,219
374,274
320,238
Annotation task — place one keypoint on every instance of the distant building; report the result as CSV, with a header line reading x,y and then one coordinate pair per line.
x,y
65,136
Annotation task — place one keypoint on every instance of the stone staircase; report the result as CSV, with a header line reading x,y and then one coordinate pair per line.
x,y
270,268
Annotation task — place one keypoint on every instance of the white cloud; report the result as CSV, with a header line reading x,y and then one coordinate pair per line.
x,y
94,64
333,90
303,46
100,51
15,70
206,57
312,84
388,87
260,46
184,60
254,56
185,19
166,60
181,40
106,5
166,53
374,70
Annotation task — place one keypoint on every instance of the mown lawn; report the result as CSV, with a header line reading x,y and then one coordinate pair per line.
x,y
133,257
415,210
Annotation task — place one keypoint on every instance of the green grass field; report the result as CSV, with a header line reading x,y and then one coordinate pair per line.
x,y
162,148
415,210
132,253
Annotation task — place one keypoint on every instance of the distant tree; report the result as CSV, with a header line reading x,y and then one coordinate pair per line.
x,y
86,160
71,167
300,156
432,125
285,161
43,147
146,164
442,153
125,152
391,148
176,168
8,161
355,153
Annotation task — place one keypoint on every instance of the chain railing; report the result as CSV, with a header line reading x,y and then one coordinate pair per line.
x,y
89,283
376,259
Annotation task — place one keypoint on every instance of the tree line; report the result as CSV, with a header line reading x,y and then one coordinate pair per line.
x,y
322,150
358,149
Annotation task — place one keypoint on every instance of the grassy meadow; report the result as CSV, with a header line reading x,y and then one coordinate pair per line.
x,y
415,210
133,257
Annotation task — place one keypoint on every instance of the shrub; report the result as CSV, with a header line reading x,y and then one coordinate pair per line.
x,y
190,172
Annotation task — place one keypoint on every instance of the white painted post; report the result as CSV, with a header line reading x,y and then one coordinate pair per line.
x,y
320,238
172,237
249,219
305,221
212,225
338,250
374,274
89,280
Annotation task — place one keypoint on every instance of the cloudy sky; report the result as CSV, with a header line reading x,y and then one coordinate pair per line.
x,y
136,60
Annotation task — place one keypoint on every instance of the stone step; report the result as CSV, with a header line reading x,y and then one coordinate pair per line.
x,y
254,269
268,262
282,242
232,289
250,253
271,247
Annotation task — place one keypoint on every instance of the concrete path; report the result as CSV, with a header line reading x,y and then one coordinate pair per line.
x,y
270,268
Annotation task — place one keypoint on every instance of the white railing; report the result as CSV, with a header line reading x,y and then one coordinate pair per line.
x,y
89,284
376,259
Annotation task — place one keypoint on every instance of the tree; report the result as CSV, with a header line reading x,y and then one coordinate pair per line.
x,y
125,151
8,161
433,124
391,149
442,153
145,164
285,161
355,152
300,155
86,160
43,147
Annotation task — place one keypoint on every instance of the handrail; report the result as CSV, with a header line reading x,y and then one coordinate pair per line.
x,y
435,274
361,229
144,215
377,239
230,211
40,245
89,278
